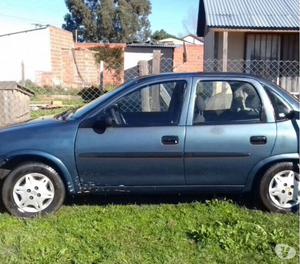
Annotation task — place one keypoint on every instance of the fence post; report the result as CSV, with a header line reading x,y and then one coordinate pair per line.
x,y
225,51
102,88
144,70
155,91
156,61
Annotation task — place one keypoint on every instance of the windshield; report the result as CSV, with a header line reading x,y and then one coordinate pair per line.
x,y
82,110
68,113
291,99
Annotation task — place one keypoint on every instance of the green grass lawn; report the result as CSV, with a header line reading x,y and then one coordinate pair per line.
x,y
212,232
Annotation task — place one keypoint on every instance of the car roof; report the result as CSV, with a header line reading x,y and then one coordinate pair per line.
x,y
292,101
199,74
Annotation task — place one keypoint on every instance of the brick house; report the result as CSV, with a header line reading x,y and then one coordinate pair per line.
x,y
175,58
188,58
50,57
36,54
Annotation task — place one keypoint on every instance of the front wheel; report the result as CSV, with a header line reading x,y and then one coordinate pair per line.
x,y
33,189
280,188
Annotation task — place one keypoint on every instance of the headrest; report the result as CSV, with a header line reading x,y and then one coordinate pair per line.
x,y
253,102
200,103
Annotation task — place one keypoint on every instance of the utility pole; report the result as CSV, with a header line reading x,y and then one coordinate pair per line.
x,y
23,73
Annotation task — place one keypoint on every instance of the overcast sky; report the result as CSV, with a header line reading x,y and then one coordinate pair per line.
x,y
178,17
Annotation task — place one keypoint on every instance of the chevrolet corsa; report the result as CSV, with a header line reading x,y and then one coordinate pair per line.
x,y
165,133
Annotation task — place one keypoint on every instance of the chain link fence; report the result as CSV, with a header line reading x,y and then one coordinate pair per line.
x,y
134,102
284,73
166,65
21,102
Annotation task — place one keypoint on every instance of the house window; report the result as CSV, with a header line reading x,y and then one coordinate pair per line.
x,y
290,47
263,47
275,57
272,46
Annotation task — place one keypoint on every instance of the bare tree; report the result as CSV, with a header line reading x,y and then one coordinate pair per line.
x,y
190,21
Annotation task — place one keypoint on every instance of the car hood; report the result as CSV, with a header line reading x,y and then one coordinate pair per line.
x,y
47,135
47,121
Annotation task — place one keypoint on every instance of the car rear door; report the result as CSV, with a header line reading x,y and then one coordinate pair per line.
x,y
230,129
148,149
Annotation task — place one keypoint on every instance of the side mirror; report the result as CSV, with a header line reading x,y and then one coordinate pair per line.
x,y
100,125
292,114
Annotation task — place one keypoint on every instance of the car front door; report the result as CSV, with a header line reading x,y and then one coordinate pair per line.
x,y
230,129
144,145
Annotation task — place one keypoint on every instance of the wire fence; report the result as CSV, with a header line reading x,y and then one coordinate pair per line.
x,y
166,65
19,103
283,73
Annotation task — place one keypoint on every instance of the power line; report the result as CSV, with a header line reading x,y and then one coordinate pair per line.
x,y
24,31
22,18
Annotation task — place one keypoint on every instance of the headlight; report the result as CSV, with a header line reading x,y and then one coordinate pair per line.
x,y
2,161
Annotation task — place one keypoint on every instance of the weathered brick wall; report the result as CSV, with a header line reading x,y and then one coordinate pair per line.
x,y
74,65
194,58
61,45
44,79
113,78
68,69
87,70
90,69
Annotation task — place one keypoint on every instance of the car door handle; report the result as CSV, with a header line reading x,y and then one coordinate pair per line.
x,y
170,140
258,140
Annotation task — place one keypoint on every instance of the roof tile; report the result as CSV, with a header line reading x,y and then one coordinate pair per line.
x,y
253,14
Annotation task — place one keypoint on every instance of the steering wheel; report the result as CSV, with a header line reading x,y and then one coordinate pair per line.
x,y
117,115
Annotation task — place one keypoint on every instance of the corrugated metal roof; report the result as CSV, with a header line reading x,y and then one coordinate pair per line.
x,y
252,14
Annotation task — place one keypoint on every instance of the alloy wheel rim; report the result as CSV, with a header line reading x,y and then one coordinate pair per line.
x,y
33,193
284,189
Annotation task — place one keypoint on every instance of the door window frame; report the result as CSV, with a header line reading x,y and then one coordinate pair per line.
x,y
267,107
93,116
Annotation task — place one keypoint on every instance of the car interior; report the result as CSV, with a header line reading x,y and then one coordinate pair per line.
x,y
129,110
226,102
215,101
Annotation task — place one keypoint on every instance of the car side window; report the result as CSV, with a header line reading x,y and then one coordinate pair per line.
x,y
226,102
280,108
158,104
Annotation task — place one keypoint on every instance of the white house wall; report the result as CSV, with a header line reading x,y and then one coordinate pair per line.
x,y
193,40
209,45
133,55
31,48
213,42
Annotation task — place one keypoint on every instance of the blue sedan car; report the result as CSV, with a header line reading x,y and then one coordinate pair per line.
x,y
165,133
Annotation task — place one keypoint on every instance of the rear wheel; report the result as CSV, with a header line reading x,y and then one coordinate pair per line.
x,y
280,188
33,189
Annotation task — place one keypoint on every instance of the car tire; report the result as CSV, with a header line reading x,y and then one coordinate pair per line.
x,y
279,188
33,189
